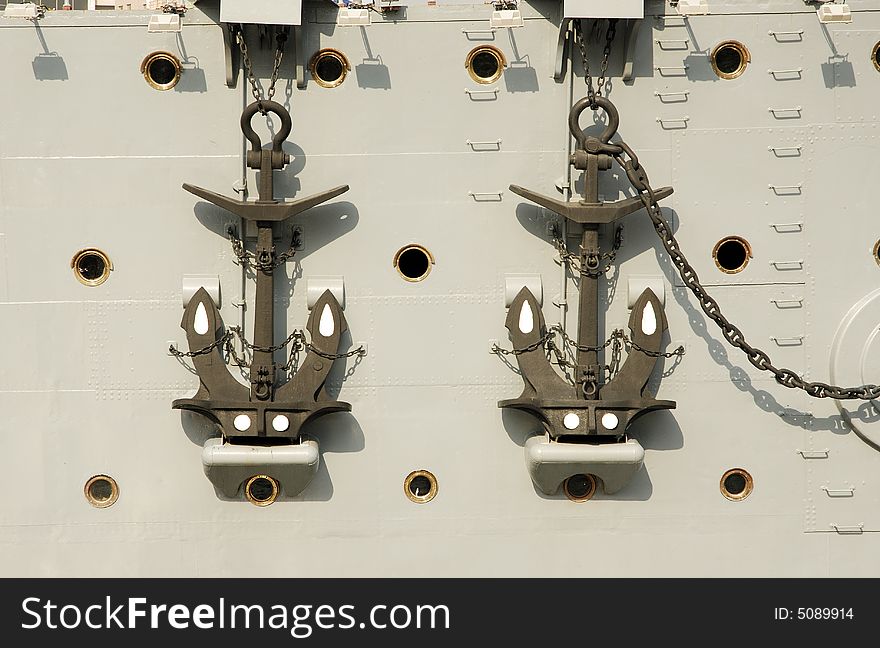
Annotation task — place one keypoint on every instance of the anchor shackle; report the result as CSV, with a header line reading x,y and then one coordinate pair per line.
x,y
255,155
574,122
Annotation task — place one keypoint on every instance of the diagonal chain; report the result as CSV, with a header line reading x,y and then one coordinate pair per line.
x,y
628,160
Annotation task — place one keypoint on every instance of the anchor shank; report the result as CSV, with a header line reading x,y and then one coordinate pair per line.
x,y
263,365
588,305
266,188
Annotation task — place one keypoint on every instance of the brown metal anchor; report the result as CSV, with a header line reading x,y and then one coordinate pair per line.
x,y
263,410
588,407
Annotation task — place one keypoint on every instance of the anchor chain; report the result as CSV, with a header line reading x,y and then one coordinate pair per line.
x,y
256,87
606,54
629,162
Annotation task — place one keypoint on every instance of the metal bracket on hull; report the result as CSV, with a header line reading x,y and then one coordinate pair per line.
x,y
265,414
590,411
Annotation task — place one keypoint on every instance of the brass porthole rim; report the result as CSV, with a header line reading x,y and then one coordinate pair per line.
x,y
494,51
339,56
257,502
406,248
114,491
145,69
583,498
737,497
877,251
746,245
874,54
108,266
432,491
744,55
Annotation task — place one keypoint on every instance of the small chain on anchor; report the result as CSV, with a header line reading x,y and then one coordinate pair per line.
x,y
574,260
249,259
297,341
606,54
628,160
256,88
617,340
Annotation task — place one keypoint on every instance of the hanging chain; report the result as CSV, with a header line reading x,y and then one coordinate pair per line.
x,y
639,180
249,259
297,341
585,58
574,261
256,88
618,340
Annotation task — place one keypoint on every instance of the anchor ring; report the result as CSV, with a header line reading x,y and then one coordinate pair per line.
x,y
251,135
261,391
589,388
575,115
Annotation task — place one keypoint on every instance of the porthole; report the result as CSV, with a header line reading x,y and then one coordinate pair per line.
x,y
736,484
875,56
877,252
261,490
101,491
420,486
729,59
732,254
579,488
91,266
413,262
329,67
485,64
161,70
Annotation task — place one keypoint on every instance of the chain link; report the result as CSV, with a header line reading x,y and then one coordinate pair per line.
x,y
618,340
248,259
588,270
256,87
585,58
297,340
639,180
174,8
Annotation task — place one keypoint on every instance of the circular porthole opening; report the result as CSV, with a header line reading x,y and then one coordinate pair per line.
x,y
413,262
877,252
485,64
736,484
579,488
329,67
101,491
161,70
732,254
261,490
729,59
420,486
91,266
875,56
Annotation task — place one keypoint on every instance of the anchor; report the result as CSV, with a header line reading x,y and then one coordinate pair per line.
x,y
583,422
263,414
